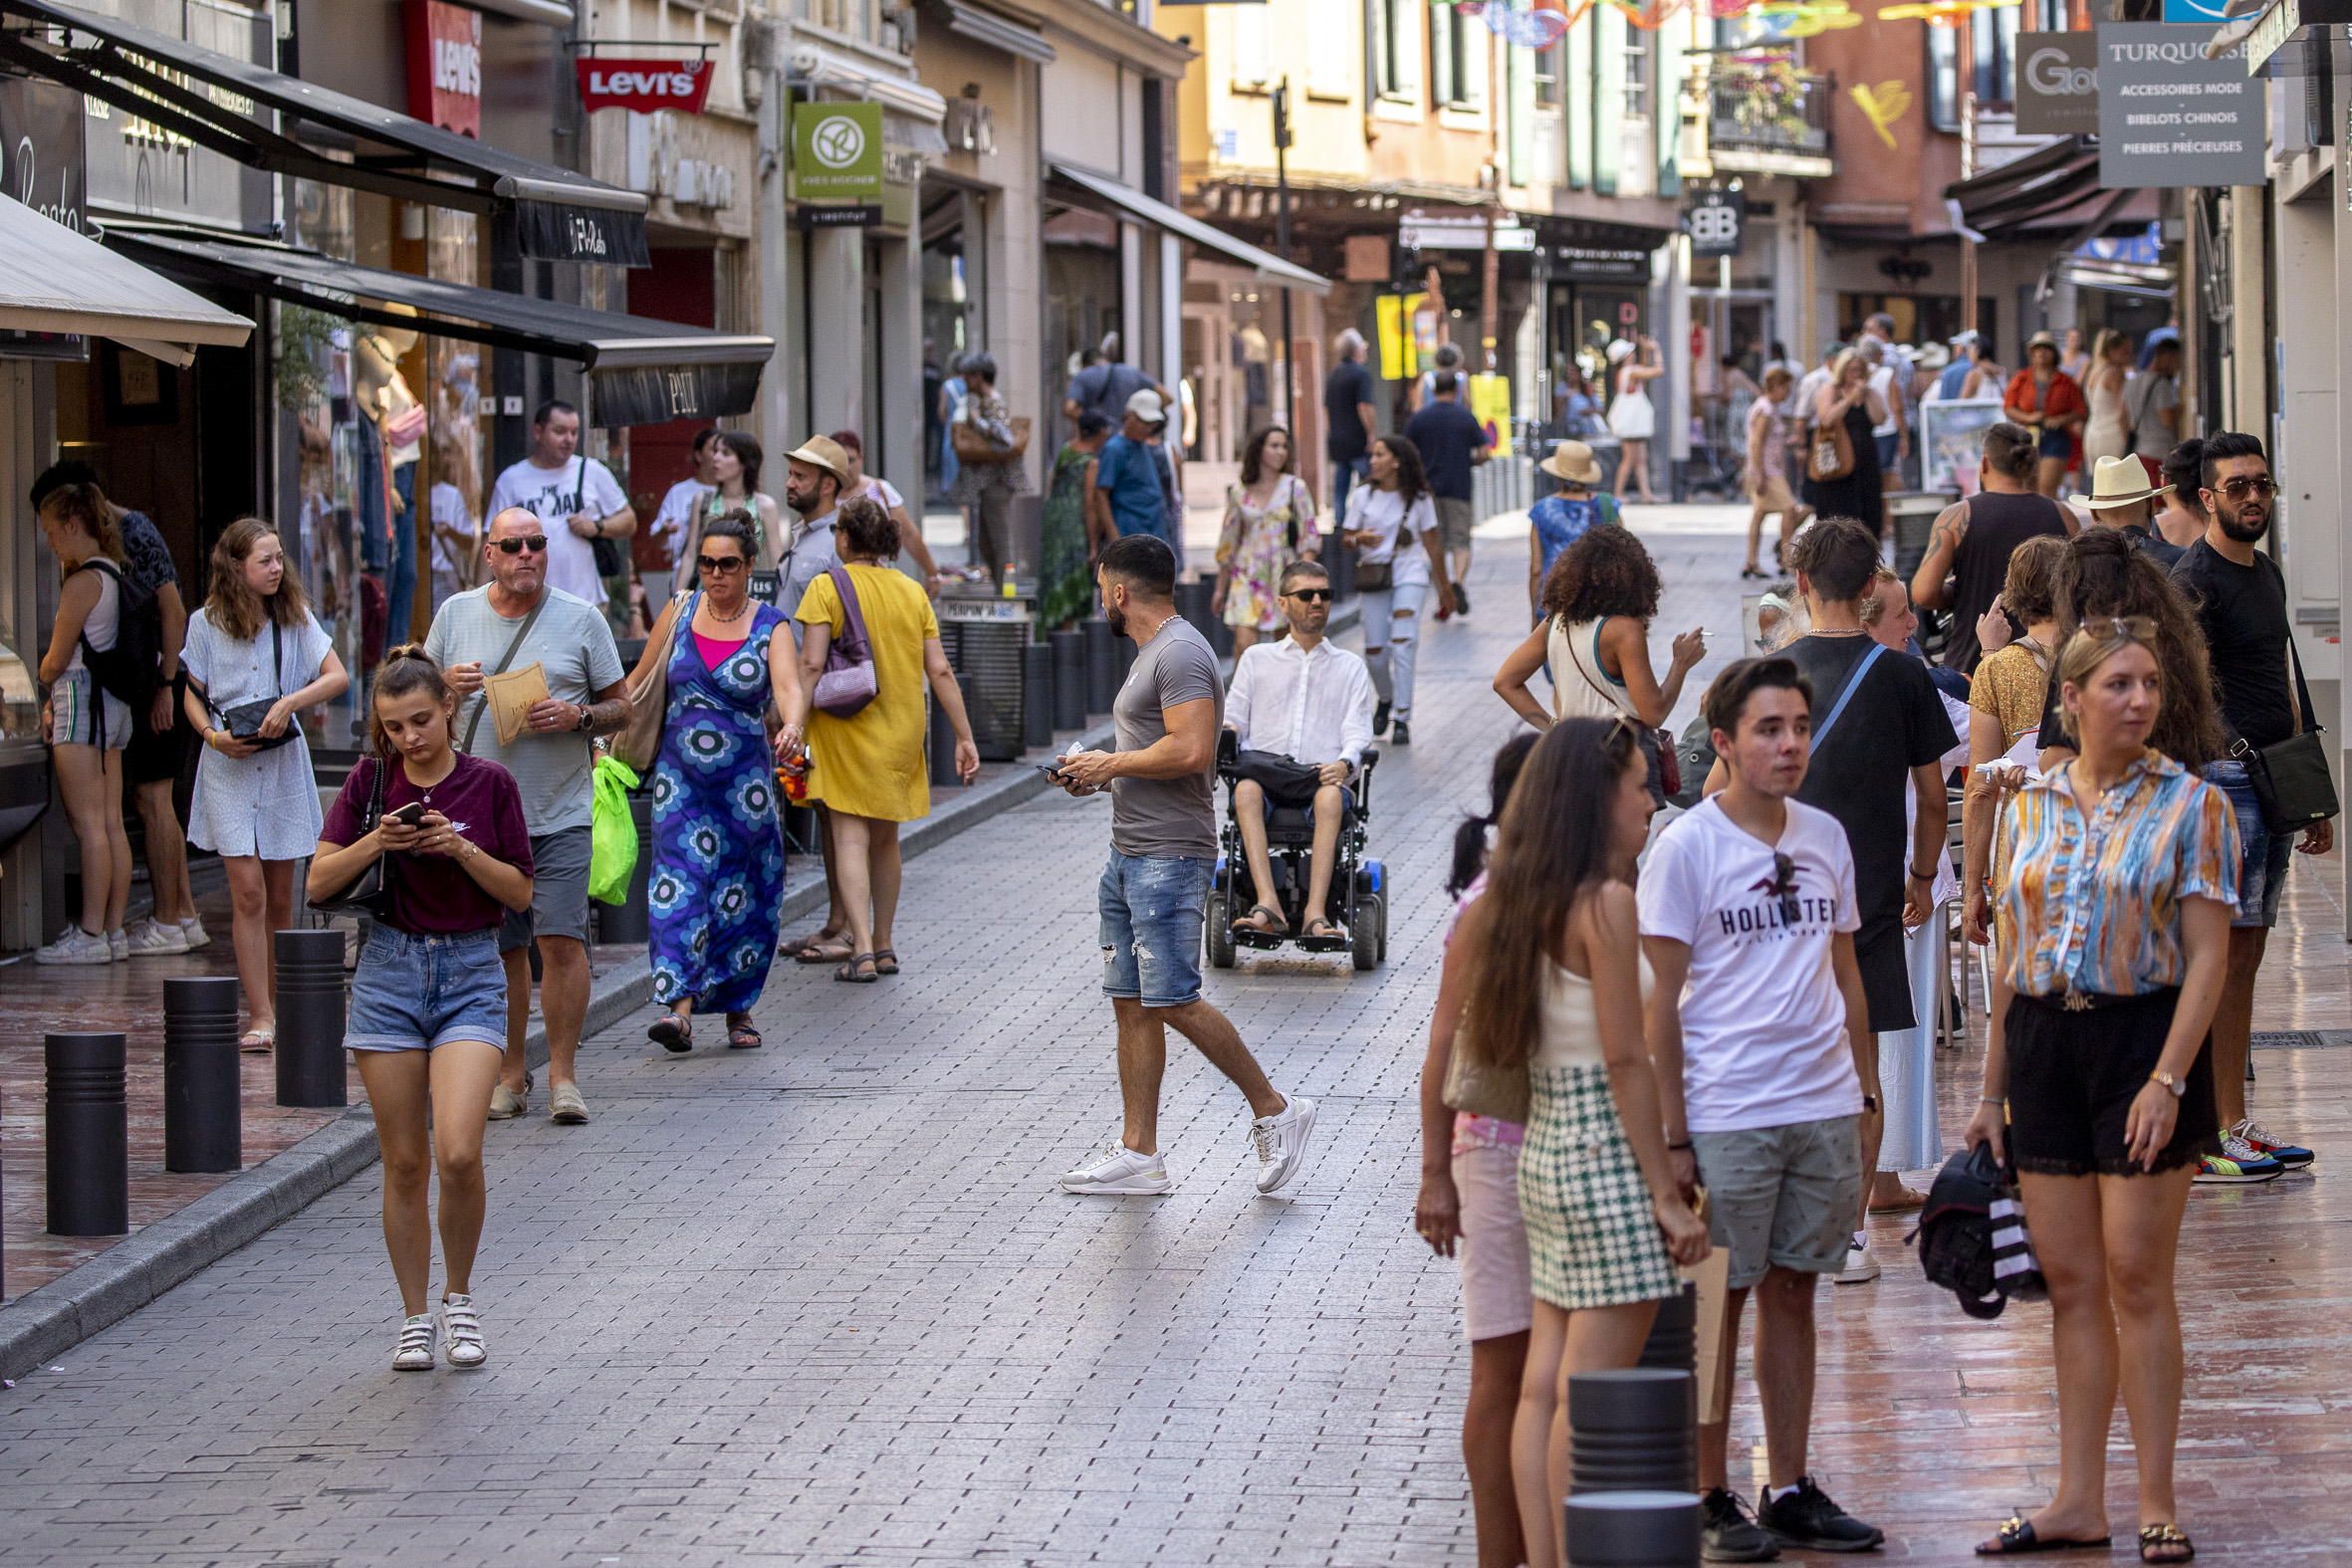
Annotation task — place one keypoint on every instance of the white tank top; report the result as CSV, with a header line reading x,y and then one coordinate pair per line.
x,y
1571,1027
1581,688
105,618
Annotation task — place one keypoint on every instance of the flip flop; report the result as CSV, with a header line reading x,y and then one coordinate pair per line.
x,y
672,1032
2167,1538
850,971
818,952
1333,938
257,1042
2016,1536
885,961
1250,934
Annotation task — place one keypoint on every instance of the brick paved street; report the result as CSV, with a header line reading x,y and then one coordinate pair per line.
x,y
822,1304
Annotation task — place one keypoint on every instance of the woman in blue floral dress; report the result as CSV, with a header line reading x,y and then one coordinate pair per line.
x,y
718,852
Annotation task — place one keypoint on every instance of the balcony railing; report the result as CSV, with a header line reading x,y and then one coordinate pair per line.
x,y
1771,121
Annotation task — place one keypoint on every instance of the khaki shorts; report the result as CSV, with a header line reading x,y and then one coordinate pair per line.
x,y
1772,494
1785,1197
1453,521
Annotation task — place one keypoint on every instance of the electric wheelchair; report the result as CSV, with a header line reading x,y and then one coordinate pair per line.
x,y
1360,889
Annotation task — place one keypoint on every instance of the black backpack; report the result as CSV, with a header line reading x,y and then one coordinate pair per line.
x,y
1972,1236
129,669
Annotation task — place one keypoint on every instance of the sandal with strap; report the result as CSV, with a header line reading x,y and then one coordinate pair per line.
x,y
850,970
672,1031
742,1036
2167,1538
257,1042
885,961
1250,934
1323,935
2018,1536
821,949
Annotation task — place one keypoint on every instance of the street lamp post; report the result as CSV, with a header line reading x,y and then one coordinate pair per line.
x,y
1282,235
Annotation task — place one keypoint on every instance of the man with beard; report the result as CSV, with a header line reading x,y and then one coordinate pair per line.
x,y
1155,890
2241,600
813,489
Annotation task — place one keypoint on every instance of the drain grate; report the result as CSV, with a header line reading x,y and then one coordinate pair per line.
x,y
2304,1039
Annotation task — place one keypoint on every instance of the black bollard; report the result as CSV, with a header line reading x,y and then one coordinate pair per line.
x,y
1633,1529
1122,660
1634,1430
202,1114
1103,671
1192,602
310,1018
632,920
1339,563
89,1135
1070,680
943,738
1037,694
1674,1335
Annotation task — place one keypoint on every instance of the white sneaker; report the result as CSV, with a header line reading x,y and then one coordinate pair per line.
x,y
1122,1173
193,928
117,946
1860,1268
77,946
415,1353
1281,1142
151,937
461,1332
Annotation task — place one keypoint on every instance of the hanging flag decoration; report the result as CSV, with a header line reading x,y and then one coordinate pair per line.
x,y
1526,29
1882,106
1940,13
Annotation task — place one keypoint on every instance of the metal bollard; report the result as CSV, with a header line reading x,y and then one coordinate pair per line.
x,y
89,1135
1192,602
1070,680
632,920
1672,1344
1103,671
310,1018
202,1113
1037,694
1340,562
943,737
1633,1529
1634,1430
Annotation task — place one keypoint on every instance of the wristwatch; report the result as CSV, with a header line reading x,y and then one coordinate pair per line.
x,y
585,719
2176,1086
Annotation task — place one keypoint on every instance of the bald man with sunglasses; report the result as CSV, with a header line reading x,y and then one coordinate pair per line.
x,y
508,624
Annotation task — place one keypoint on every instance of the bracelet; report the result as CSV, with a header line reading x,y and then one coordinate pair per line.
x,y
1677,1148
1992,1100
1928,875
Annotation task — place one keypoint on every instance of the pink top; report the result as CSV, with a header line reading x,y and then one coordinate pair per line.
x,y
713,651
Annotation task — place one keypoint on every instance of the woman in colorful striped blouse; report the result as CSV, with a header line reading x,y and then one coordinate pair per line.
x,y
2124,872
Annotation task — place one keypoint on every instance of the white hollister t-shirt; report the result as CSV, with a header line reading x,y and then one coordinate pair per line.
x,y
1762,1020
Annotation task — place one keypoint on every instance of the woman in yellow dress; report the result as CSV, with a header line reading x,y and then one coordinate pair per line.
x,y
868,769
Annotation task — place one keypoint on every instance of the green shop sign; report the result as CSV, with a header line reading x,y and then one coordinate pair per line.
x,y
837,153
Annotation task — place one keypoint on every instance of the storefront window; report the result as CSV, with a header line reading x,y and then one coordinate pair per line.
x,y
322,519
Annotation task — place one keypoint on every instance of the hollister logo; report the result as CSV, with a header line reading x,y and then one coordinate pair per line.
x,y
643,84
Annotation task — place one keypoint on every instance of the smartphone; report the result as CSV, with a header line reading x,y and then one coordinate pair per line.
x,y
1051,770
408,816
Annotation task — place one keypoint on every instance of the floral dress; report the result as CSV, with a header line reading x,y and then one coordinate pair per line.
x,y
1257,544
718,855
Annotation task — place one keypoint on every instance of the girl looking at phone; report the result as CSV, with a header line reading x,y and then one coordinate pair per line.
x,y
428,1016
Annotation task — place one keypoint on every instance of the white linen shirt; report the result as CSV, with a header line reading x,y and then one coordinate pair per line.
x,y
1309,707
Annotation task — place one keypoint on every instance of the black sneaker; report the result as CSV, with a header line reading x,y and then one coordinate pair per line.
x,y
1807,1519
1727,1535
1381,719
1461,599
1403,735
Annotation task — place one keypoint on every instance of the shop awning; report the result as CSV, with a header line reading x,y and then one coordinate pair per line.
x,y
994,31
1271,267
2036,190
213,99
640,371
911,112
52,279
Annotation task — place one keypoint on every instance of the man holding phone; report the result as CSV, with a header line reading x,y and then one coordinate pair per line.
x,y
511,622
1154,891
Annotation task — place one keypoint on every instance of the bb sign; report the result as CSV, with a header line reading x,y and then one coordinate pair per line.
x,y
1712,220
2169,116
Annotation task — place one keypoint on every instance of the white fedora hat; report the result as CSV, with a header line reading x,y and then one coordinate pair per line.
x,y
2120,482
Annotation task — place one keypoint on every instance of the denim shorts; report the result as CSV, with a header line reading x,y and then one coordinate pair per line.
x,y
414,992
2263,856
1151,927
2054,443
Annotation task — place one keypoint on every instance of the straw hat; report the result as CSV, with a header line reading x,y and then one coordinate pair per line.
x,y
1574,462
825,453
2120,482
2043,341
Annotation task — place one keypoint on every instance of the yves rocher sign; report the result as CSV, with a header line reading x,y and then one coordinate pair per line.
x,y
643,84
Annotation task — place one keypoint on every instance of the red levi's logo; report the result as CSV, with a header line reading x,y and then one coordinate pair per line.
x,y
445,66
643,84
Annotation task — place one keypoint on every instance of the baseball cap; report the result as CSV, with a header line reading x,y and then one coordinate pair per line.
x,y
1145,405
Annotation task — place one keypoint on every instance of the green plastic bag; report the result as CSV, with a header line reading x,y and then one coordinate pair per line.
x,y
615,853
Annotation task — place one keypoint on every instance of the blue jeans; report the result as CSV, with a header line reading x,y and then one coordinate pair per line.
x,y
1152,910
420,993
2263,856
1887,445
1346,474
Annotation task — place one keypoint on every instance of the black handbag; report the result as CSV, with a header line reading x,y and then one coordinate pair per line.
x,y
1284,781
370,892
244,721
2292,786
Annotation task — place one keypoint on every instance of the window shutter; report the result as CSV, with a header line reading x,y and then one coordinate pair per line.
x,y
1519,70
1608,97
1442,23
1471,63
1666,104
1332,62
1576,98
1249,45
1407,31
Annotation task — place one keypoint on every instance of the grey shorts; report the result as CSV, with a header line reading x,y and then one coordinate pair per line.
x,y
1453,521
559,890
1784,1196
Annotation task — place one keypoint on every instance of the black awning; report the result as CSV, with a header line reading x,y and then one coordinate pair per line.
x,y
2037,190
640,371
149,74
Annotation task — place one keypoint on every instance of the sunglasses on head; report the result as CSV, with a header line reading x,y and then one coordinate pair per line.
x,y
2120,628
711,563
1312,596
2261,485
535,543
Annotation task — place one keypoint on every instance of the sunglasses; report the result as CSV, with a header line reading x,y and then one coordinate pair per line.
x,y
2260,486
535,543
711,563
1784,888
2120,628
1312,596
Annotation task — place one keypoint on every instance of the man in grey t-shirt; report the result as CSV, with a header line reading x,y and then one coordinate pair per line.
x,y
2151,402
1154,891
587,695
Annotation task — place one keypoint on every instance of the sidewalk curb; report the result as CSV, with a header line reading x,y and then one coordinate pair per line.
x,y
46,1323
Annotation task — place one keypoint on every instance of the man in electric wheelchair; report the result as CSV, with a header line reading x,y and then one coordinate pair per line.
x,y
1296,757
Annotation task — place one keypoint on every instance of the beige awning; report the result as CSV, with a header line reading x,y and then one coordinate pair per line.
x,y
52,279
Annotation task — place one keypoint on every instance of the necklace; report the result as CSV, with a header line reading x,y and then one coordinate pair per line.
x,y
1841,631
1162,626
718,620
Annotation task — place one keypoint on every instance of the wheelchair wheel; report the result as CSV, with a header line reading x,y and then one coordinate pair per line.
x,y
1220,924
1363,925
1383,925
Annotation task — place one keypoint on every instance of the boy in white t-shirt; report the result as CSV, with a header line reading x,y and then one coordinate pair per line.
x,y
456,540
1748,918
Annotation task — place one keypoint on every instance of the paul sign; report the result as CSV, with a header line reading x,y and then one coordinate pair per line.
x,y
643,84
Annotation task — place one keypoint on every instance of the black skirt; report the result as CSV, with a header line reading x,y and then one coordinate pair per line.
x,y
2074,1074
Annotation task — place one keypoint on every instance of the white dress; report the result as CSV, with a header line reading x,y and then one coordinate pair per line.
x,y
266,805
2104,434
1632,417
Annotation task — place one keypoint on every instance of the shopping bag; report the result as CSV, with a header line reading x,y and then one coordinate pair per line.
x,y
613,853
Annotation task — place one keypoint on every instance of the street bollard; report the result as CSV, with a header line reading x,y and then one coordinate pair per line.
x,y
310,1018
632,920
943,737
1633,1529
1123,653
89,1135
1070,680
1340,564
1633,1430
1192,602
202,1109
1103,671
1674,1335
1036,695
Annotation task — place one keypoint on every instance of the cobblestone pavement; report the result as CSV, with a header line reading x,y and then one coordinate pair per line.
x,y
822,1304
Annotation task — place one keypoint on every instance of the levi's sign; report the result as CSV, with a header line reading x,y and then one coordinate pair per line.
x,y
643,84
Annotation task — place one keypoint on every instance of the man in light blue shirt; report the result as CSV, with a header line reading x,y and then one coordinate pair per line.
x,y
1128,475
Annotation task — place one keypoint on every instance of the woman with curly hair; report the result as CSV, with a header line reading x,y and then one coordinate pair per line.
x,y
1595,637
1387,516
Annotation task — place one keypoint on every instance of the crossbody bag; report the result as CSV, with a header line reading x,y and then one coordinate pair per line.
x,y
482,707
2291,784
244,721
610,562
1661,747
370,892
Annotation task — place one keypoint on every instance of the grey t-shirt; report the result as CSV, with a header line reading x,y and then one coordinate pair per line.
x,y
2146,400
572,643
1165,818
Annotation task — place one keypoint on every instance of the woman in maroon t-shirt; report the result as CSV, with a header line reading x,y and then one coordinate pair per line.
x,y
428,1002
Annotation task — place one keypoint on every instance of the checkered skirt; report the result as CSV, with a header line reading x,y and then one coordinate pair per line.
x,y
1593,1239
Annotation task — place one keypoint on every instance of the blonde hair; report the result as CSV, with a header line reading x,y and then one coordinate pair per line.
x,y
1778,375
87,505
2081,655
235,610
1874,603
2108,337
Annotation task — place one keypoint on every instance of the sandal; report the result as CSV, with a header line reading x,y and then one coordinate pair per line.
x,y
2018,1536
1331,937
1754,573
850,971
742,1036
1250,932
885,961
820,948
1901,1206
257,1042
672,1031
2167,1538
